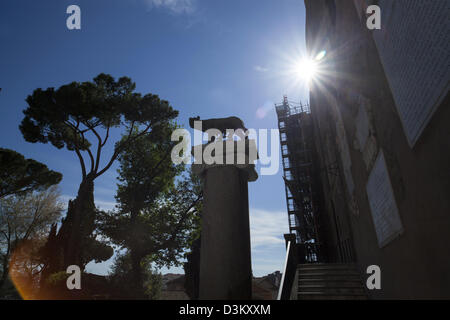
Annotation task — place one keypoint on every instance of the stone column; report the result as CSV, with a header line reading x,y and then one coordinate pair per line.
x,y
225,257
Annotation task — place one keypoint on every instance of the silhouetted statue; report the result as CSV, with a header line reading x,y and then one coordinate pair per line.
x,y
221,124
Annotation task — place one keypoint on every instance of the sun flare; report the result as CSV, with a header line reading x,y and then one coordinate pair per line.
x,y
306,69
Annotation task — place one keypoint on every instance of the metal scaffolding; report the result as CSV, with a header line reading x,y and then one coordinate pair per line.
x,y
297,150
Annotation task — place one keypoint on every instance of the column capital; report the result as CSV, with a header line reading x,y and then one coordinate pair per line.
x,y
241,154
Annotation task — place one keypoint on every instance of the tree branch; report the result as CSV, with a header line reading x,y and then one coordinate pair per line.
x,y
122,144
178,226
77,149
153,170
99,149
91,156
83,167
107,135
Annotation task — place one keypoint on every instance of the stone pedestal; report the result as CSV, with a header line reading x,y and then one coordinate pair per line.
x,y
225,256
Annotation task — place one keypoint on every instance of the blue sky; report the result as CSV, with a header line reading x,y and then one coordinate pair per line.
x,y
211,58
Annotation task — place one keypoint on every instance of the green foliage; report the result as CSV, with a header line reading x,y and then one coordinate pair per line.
x,y
176,220
66,116
25,220
97,250
156,212
146,175
19,175
121,278
161,230
146,169
30,215
79,117
57,278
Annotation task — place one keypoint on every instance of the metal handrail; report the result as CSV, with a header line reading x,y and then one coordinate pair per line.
x,y
290,268
280,290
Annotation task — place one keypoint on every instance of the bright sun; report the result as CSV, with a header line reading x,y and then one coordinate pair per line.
x,y
306,69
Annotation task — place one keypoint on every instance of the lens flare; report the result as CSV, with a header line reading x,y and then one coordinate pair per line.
x,y
306,69
321,55
25,274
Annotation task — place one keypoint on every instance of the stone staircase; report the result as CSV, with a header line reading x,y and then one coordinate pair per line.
x,y
329,281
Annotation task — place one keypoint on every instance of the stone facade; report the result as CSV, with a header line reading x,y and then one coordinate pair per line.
x,y
387,196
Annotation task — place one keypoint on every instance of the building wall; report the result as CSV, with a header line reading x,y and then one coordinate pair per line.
x,y
356,119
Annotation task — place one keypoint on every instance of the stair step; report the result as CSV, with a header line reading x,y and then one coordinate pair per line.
x,y
326,296
327,271
333,291
330,285
327,275
327,266
329,281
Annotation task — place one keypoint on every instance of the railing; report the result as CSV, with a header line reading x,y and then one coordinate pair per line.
x,y
308,252
290,268
288,108
319,253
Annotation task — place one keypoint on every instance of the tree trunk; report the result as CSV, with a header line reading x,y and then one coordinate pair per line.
x,y
192,271
137,278
66,248
136,258
80,224
4,274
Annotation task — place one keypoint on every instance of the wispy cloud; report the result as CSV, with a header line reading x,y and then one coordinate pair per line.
x,y
104,192
174,6
101,204
260,69
105,205
267,228
268,247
